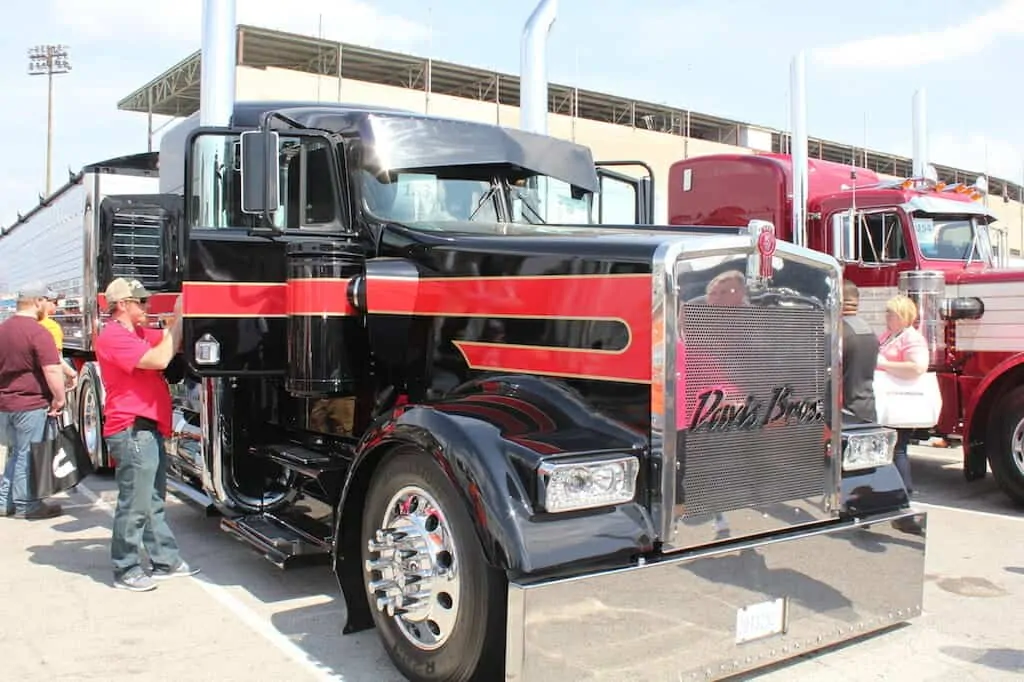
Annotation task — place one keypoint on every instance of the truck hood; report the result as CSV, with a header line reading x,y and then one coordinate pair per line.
x,y
987,276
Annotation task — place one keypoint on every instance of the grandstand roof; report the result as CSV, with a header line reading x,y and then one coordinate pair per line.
x,y
176,93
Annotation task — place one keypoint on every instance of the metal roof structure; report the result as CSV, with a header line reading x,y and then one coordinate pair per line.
x,y
176,93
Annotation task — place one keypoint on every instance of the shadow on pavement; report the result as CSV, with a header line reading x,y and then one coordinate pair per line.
x,y
939,479
88,557
1008,660
317,630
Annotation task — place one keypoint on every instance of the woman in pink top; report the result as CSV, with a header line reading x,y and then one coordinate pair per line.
x,y
903,352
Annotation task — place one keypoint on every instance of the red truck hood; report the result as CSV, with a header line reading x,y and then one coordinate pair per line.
x,y
983,276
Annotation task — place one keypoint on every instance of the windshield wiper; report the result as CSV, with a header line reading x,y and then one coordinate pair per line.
x,y
484,198
534,211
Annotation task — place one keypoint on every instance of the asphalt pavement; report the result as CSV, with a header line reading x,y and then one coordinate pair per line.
x,y
243,619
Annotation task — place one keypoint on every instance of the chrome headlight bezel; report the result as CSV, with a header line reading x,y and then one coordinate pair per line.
x,y
868,448
611,481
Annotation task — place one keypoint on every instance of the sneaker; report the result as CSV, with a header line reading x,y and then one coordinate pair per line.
x,y
136,581
43,511
181,570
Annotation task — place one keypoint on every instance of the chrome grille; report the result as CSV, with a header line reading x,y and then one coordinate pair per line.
x,y
137,234
750,351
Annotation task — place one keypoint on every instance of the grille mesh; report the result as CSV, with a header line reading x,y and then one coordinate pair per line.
x,y
136,245
743,351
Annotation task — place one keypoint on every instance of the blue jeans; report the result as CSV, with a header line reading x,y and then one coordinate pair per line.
x,y
18,431
139,519
901,459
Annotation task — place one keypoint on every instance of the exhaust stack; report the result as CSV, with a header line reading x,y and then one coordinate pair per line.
x,y
798,107
533,68
217,79
920,134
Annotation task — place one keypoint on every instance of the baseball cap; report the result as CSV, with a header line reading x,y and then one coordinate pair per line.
x,y
121,289
36,290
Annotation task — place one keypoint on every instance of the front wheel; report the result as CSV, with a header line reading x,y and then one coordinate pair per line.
x,y
90,418
438,605
1005,444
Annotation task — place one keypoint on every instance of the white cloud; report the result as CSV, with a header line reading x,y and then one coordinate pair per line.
x,y
927,47
180,20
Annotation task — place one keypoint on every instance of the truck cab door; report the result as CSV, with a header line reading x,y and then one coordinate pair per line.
x,y
236,299
140,238
876,247
624,199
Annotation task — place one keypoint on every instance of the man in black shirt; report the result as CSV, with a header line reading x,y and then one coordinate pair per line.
x,y
860,357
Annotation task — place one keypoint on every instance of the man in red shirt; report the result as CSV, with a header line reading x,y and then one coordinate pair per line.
x,y
137,418
31,387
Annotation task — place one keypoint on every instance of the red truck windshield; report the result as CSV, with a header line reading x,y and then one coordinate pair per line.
x,y
953,238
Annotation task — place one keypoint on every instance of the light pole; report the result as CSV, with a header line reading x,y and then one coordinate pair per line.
x,y
48,60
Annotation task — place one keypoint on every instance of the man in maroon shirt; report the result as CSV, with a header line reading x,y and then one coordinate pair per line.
x,y
31,387
137,418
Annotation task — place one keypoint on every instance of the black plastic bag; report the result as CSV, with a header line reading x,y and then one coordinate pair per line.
x,y
59,462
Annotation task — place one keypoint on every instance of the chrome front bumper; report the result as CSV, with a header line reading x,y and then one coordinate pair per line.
x,y
678,618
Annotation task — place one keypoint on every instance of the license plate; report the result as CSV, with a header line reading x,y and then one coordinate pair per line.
x,y
760,620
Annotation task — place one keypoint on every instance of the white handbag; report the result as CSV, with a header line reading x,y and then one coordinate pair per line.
x,y
907,403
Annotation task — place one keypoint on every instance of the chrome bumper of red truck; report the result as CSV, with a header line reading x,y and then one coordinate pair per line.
x,y
709,614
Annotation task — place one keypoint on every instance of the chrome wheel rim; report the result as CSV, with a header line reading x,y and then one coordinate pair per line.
x,y
91,423
1017,447
413,572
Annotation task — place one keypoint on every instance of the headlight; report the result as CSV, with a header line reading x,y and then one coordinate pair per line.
x,y
567,486
868,449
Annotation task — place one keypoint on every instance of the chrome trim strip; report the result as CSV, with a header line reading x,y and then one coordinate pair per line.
x,y
91,235
676,617
209,422
218,451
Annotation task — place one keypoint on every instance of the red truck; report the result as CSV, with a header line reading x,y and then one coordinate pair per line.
x,y
915,236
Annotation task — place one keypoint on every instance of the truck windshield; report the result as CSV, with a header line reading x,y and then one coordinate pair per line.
x,y
427,199
954,238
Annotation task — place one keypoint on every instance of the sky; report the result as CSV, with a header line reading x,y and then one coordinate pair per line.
x,y
729,59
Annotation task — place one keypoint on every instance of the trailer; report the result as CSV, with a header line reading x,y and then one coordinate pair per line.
x,y
103,223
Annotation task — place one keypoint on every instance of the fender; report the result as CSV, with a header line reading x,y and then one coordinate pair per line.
x,y
981,402
488,440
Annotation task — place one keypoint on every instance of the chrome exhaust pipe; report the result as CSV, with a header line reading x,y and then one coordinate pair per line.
x,y
533,68
217,79
920,134
798,95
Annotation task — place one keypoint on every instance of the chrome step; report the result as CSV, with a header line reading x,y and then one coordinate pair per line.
x,y
187,493
281,541
309,463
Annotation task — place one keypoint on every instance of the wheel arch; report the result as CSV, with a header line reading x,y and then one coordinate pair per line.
x,y
1005,376
472,437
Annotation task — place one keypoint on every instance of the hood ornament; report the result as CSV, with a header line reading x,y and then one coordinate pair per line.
x,y
761,266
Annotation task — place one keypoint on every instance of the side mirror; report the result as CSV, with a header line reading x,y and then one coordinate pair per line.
x,y
261,172
843,231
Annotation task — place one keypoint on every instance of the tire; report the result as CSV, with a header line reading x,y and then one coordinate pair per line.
x,y
1005,444
456,632
90,418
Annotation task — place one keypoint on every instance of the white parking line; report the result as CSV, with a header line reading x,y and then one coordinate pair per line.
x,y
945,507
244,613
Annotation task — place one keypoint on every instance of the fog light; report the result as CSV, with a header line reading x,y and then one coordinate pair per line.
x,y
207,350
567,486
868,449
